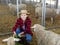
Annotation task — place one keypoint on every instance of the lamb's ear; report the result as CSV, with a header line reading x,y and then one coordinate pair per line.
x,y
5,40
16,39
34,26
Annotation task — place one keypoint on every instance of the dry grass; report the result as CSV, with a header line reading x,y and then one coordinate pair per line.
x,y
6,22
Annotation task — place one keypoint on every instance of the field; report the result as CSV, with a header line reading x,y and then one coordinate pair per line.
x,y
7,20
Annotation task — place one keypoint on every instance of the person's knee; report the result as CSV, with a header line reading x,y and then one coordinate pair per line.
x,y
28,37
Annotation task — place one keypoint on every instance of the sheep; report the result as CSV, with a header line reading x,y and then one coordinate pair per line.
x,y
57,11
45,37
13,7
50,12
11,40
22,6
38,5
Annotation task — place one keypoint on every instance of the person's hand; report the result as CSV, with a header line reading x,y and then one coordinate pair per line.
x,y
14,34
21,34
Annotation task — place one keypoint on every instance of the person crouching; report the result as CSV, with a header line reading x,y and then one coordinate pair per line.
x,y
22,26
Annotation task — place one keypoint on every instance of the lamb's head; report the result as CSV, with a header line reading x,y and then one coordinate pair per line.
x,y
38,27
38,5
10,38
9,4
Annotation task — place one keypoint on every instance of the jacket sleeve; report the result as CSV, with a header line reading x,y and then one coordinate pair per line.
x,y
15,26
28,30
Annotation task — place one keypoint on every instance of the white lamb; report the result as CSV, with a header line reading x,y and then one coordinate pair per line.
x,y
45,37
38,5
22,6
13,7
50,12
10,40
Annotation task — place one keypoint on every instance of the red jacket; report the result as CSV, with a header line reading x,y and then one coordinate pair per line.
x,y
27,25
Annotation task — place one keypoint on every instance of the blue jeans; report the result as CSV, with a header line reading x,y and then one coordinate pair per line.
x,y
28,36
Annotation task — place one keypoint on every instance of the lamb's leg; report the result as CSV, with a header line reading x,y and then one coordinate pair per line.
x,y
36,15
52,19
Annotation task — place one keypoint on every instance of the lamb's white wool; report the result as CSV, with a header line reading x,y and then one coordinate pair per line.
x,y
57,11
15,39
10,4
38,26
13,7
38,5
50,12
22,6
45,37
5,40
10,40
